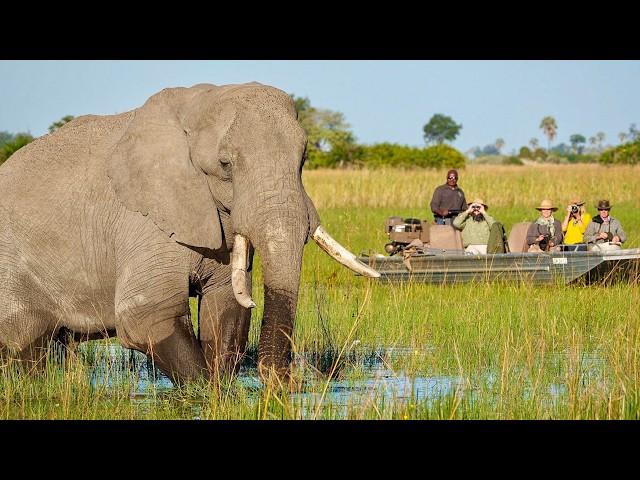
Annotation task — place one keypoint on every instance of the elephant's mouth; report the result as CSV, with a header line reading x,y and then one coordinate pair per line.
x,y
240,254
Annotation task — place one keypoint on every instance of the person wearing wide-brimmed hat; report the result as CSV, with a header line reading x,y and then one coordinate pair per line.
x,y
545,233
475,224
605,231
448,200
575,222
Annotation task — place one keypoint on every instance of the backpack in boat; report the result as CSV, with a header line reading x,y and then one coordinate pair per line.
x,y
497,239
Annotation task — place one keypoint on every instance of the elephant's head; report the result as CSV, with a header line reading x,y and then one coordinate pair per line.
x,y
190,155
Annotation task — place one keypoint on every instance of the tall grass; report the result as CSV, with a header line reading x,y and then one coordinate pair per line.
x,y
401,351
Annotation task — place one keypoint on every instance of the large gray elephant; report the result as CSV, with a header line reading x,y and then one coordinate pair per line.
x,y
110,223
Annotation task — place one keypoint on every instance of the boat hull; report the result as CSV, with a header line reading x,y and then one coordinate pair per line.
x,y
561,267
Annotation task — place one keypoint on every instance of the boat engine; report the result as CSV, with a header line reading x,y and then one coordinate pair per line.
x,y
402,232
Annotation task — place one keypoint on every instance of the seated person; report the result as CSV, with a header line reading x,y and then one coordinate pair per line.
x,y
545,234
475,224
604,230
448,200
575,222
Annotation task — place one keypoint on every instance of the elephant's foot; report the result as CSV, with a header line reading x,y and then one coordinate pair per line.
x,y
173,347
274,375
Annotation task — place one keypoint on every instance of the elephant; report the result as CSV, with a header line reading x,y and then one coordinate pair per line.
x,y
110,223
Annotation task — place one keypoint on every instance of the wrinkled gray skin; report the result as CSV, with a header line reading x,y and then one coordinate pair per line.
x,y
108,224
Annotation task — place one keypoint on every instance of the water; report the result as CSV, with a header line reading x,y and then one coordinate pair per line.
x,y
365,380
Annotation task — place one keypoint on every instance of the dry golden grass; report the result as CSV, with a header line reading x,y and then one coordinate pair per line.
x,y
500,186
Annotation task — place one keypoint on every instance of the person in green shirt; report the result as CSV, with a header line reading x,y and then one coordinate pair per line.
x,y
475,224
575,223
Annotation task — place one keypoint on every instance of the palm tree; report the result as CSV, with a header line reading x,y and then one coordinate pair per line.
x,y
534,143
622,136
593,141
499,144
600,136
550,128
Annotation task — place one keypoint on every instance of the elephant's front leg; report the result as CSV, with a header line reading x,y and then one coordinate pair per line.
x,y
223,329
152,314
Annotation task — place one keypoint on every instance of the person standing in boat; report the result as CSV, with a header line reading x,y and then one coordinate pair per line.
x,y
575,222
545,234
605,231
448,200
475,224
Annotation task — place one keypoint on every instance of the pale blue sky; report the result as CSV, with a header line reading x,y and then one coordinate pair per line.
x,y
381,100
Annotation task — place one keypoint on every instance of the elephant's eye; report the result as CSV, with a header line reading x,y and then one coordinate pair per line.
x,y
225,165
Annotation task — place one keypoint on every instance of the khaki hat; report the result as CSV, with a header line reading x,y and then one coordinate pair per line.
x,y
576,201
481,202
547,204
603,205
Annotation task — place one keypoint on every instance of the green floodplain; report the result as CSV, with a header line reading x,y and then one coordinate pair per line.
x,y
368,350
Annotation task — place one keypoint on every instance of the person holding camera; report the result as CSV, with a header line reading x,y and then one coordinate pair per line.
x,y
545,234
448,200
575,222
604,230
475,224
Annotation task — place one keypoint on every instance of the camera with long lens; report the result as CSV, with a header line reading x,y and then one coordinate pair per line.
x,y
544,243
574,209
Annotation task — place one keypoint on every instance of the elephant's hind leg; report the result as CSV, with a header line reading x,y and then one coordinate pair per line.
x,y
26,337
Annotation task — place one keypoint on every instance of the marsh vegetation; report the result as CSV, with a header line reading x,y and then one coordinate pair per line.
x,y
366,350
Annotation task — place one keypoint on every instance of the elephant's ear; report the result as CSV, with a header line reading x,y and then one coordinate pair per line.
x,y
152,173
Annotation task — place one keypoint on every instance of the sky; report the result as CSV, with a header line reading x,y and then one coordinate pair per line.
x,y
383,101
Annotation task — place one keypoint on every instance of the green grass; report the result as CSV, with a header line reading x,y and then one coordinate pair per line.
x,y
367,350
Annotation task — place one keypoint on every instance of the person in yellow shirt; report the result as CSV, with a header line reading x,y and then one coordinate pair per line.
x,y
574,224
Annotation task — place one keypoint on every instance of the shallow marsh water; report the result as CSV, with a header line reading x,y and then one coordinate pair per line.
x,y
370,380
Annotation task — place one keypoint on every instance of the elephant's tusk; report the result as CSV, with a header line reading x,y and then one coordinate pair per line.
x,y
239,257
341,254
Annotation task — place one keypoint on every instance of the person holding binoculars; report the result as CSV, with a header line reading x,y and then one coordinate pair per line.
x,y
475,224
575,222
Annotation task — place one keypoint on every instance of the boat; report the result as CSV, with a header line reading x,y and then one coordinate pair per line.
x,y
442,260
561,267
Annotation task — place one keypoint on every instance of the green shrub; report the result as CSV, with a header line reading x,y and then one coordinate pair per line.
x,y
553,158
525,152
12,146
540,154
581,158
629,153
394,155
512,161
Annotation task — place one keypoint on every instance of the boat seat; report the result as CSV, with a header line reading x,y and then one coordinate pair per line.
x,y
445,237
518,237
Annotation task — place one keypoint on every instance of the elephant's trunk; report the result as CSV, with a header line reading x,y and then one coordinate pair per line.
x,y
280,248
278,225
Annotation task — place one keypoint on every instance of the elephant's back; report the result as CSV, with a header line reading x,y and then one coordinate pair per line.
x,y
58,165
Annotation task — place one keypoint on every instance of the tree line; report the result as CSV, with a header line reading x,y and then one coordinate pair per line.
x,y
332,144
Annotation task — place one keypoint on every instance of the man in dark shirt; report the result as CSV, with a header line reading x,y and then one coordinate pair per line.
x,y
448,200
